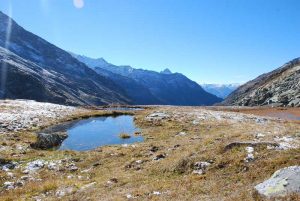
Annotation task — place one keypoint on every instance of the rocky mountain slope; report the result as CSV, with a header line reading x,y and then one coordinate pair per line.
x,y
220,90
280,87
157,88
41,71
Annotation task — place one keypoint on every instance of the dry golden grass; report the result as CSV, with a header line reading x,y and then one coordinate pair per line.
x,y
228,178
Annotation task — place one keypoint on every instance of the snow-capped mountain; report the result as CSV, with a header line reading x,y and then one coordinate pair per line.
x,y
36,69
72,82
158,88
220,90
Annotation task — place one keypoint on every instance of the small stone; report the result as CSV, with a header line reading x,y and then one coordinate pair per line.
x,y
8,185
52,166
72,167
96,164
139,161
25,178
63,192
249,149
10,174
129,196
19,183
159,157
70,177
154,149
250,157
259,135
9,166
156,193
113,180
200,167
198,172
34,166
181,134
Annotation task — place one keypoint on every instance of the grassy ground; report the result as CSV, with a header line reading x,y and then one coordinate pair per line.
x,y
122,172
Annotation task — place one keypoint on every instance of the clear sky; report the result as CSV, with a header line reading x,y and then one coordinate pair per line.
x,y
210,41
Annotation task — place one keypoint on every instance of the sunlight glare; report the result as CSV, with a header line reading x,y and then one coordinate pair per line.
x,y
78,3
4,65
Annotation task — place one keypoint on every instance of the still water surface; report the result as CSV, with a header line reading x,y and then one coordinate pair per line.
x,y
91,133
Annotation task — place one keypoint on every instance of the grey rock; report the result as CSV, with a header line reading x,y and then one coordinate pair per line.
x,y
157,116
200,167
159,157
47,141
280,87
282,182
34,166
8,185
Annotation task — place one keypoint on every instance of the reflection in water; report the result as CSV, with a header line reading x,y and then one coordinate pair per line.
x,y
99,131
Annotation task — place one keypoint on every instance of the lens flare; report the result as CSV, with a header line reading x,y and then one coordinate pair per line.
x,y
4,64
78,3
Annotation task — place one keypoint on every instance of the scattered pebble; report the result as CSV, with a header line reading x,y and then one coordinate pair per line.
x,y
200,167
250,155
159,157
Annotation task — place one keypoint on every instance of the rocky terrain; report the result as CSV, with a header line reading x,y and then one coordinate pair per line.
x,y
17,115
189,153
280,87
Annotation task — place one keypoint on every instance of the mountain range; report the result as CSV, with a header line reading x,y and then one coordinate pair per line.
x,y
164,88
220,90
32,68
280,87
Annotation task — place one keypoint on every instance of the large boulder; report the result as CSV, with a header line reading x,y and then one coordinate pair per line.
x,y
282,182
48,141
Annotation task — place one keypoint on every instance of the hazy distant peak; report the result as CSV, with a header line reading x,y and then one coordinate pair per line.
x,y
90,62
166,71
220,90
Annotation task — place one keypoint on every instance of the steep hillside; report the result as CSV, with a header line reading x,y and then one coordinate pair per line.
x,y
27,80
166,87
89,88
280,87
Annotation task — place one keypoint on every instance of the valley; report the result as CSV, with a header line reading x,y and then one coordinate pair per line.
x,y
75,127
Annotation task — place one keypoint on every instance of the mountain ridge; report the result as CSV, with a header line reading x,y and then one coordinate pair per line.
x,y
86,81
168,88
280,87
94,89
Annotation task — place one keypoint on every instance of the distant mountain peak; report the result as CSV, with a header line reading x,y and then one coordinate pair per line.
x,y
90,62
220,90
166,71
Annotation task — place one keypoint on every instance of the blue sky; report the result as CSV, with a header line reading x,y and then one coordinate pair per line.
x,y
211,41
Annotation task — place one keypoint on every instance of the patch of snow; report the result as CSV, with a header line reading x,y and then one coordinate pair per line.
x,y
22,114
